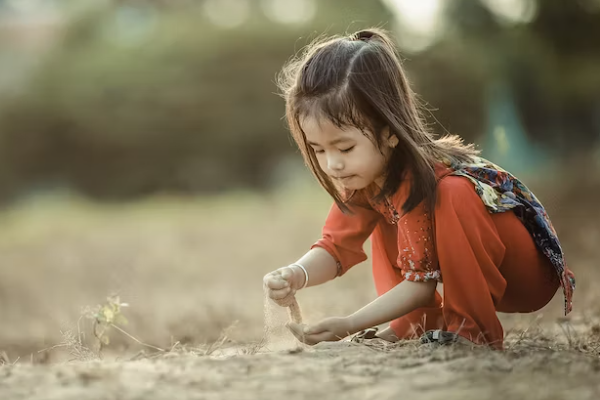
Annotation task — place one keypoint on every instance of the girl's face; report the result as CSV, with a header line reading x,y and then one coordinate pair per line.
x,y
348,156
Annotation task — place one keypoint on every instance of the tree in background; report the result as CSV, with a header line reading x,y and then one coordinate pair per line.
x,y
546,53
146,96
149,96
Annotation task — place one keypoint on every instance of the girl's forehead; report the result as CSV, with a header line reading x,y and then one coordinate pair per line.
x,y
324,129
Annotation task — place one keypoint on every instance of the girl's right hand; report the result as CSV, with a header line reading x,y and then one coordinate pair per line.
x,y
282,284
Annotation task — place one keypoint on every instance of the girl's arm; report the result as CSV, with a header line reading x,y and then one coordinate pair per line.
x,y
405,297
319,264
340,248
283,283
402,299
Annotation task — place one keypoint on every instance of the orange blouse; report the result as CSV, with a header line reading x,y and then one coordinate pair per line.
x,y
405,241
488,261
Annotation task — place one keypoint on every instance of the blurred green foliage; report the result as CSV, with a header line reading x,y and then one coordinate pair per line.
x,y
149,96
139,99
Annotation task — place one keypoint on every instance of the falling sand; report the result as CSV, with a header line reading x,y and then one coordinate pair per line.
x,y
276,338
295,313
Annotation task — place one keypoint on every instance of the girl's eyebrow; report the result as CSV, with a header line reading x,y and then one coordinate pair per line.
x,y
333,142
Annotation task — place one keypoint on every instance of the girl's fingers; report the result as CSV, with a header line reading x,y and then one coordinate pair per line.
x,y
286,273
280,294
297,330
276,283
317,328
321,337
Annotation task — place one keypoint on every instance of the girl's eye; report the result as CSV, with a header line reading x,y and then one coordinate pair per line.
x,y
319,151
348,150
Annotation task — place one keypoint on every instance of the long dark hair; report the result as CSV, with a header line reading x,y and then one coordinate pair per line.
x,y
358,81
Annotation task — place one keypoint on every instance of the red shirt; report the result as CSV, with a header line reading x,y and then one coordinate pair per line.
x,y
403,245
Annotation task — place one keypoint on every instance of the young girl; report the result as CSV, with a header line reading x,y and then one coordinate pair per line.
x,y
435,211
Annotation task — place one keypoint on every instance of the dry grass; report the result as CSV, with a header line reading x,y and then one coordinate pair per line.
x,y
191,272
188,268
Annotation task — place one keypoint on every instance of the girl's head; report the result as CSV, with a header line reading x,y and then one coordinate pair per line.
x,y
356,121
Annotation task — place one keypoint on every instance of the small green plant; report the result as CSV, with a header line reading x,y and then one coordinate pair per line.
x,y
108,316
105,317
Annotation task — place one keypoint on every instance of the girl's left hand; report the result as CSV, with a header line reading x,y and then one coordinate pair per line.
x,y
328,330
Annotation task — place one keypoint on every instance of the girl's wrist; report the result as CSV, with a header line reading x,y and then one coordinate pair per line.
x,y
358,321
298,277
352,324
303,275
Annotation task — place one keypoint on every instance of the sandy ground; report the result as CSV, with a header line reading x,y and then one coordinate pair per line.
x,y
191,271
327,371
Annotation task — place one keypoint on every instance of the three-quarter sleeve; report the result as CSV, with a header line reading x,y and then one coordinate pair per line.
x,y
344,235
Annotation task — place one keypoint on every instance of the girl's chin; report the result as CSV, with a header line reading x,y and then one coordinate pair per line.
x,y
354,184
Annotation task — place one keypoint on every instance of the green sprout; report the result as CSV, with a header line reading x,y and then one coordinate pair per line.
x,y
108,316
105,317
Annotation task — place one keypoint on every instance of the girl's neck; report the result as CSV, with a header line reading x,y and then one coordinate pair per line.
x,y
379,182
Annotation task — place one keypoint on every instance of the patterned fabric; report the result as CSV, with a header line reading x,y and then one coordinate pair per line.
x,y
500,191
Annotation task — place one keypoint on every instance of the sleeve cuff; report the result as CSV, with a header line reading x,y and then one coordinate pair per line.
x,y
422,276
340,269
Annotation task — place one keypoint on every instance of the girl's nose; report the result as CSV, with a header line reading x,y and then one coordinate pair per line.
x,y
335,163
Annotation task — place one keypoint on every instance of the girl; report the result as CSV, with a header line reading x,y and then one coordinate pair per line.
x,y
435,210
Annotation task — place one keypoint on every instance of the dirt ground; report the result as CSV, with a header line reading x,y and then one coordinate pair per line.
x,y
191,273
326,371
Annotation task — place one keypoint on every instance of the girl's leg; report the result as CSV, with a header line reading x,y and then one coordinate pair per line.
x,y
531,281
489,262
469,252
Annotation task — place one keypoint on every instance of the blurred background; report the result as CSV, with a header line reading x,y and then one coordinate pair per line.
x,y
143,149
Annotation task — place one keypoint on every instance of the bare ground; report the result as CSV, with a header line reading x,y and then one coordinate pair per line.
x,y
191,272
327,371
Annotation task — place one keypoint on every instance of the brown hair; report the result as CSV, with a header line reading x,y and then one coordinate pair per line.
x,y
358,81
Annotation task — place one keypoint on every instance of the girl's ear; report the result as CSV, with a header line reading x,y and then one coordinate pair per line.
x,y
392,139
